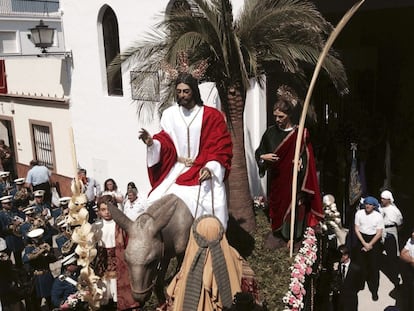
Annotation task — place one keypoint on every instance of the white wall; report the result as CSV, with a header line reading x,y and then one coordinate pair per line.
x,y
60,120
43,76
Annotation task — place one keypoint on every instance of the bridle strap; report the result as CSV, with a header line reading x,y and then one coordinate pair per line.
x,y
212,198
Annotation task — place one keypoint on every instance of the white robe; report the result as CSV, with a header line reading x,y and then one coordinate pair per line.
x,y
174,121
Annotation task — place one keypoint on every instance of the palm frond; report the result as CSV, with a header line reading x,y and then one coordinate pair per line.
x,y
267,33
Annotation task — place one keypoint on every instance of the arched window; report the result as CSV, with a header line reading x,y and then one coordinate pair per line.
x,y
111,46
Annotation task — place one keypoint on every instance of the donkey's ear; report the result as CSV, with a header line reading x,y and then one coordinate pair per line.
x,y
120,218
162,210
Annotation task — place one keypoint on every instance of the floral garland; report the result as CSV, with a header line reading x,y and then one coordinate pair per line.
x,y
90,287
302,266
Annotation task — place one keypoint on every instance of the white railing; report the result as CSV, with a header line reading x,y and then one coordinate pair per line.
x,y
29,7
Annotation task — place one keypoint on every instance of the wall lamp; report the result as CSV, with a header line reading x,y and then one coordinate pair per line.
x,y
42,37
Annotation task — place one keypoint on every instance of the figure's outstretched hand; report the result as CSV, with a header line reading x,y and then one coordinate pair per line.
x,y
146,137
270,157
205,174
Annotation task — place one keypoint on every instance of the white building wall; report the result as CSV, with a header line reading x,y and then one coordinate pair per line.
x,y
38,85
60,120
44,76
106,127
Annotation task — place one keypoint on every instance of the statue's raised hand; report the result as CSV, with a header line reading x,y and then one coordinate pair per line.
x,y
146,137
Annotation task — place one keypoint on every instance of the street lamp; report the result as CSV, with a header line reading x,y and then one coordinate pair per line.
x,y
42,36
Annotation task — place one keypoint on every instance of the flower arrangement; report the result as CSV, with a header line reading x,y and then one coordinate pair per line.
x,y
259,202
332,217
302,266
332,220
72,302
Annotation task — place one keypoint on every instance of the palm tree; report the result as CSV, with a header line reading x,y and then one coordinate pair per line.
x,y
268,33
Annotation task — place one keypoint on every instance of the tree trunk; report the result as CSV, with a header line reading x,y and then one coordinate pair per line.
x,y
240,200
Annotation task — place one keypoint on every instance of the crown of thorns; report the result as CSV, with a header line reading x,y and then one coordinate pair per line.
x,y
286,93
183,67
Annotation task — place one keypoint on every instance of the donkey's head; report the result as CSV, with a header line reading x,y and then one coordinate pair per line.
x,y
145,251
144,254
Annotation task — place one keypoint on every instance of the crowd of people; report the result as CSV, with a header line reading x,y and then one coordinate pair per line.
x,y
370,246
34,237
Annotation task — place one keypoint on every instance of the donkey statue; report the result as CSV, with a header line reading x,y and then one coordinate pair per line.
x,y
154,238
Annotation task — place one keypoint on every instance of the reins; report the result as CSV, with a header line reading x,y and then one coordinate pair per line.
x,y
212,198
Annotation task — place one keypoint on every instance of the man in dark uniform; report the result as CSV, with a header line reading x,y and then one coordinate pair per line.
x,y
43,210
9,226
37,256
21,196
65,284
350,282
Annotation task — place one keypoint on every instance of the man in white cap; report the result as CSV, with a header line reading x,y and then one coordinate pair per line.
x,y
21,195
65,284
9,226
65,232
392,222
5,185
37,256
43,210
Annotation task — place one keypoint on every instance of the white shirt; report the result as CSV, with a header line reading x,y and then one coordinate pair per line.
x,y
133,209
108,233
346,264
392,215
410,247
369,223
175,121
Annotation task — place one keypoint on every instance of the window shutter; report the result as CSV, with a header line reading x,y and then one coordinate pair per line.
x,y
3,82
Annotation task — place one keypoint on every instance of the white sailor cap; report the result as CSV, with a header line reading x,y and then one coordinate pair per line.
x,y
62,223
19,181
39,193
3,244
6,199
35,233
29,210
4,174
67,260
64,200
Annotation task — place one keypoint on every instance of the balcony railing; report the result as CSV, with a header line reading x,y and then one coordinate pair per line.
x,y
38,8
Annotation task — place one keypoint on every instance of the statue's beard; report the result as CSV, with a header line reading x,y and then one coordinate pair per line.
x,y
182,102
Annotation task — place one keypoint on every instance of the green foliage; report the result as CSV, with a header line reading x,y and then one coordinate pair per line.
x,y
270,266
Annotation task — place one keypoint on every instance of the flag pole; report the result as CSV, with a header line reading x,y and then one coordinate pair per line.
x,y
325,51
